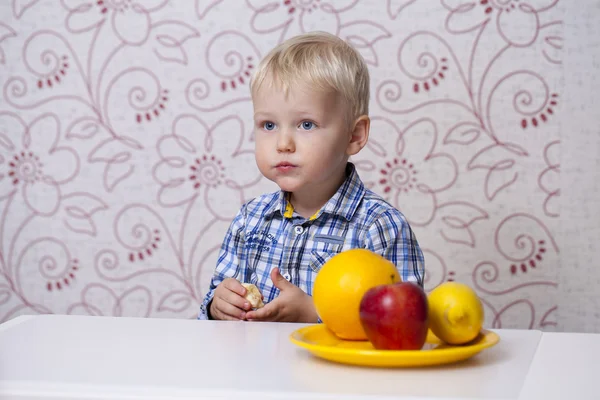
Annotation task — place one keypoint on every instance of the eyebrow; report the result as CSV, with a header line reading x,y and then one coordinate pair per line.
x,y
262,114
297,114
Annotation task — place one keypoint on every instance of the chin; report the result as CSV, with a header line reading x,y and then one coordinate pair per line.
x,y
287,188
286,185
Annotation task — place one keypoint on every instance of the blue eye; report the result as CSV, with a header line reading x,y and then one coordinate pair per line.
x,y
268,126
307,125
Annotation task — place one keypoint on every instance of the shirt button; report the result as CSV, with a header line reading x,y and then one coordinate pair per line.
x,y
287,276
298,229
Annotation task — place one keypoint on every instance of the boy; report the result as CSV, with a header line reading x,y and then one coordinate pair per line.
x,y
310,96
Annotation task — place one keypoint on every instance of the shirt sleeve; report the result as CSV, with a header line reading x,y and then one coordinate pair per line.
x,y
392,237
229,262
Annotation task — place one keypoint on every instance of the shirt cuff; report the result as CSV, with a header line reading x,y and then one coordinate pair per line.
x,y
205,308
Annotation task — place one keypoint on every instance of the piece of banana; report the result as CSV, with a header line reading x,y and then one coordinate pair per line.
x,y
253,295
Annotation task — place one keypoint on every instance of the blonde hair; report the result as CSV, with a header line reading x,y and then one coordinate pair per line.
x,y
320,59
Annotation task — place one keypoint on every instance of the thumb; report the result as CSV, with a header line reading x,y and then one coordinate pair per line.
x,y
278,280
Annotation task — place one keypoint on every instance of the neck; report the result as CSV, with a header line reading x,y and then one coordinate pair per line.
x,y
309,200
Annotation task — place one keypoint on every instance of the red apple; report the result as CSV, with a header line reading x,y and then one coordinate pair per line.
x,y
395,316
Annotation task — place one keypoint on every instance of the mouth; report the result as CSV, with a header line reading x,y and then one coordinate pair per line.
x,y
285,166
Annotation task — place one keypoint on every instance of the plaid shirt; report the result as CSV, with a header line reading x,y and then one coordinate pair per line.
x,y
267,233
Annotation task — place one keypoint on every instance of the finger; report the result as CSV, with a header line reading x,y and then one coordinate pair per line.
x,y
235,300
279,281
266,313
229,312
235,286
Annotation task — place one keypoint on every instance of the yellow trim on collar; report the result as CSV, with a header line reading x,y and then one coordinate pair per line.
x,y
289,211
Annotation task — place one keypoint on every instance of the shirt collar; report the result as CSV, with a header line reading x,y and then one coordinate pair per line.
x,y
343,203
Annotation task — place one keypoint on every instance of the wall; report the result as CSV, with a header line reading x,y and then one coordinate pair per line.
x,y
579,276
126,144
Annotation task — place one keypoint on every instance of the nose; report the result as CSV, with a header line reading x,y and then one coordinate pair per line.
x,y
285,142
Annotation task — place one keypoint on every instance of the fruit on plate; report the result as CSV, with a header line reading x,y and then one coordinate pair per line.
x,y
253,295
395,317
340,285
455,313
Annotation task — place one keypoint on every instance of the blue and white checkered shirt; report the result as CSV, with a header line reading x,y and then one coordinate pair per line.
x,y
267,233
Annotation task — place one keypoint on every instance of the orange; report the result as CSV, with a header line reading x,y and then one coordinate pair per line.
x,y
342,282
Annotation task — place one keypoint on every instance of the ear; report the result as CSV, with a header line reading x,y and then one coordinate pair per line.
x,y
360,135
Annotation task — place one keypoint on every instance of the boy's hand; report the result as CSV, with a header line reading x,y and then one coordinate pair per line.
x,y
228,302
292,304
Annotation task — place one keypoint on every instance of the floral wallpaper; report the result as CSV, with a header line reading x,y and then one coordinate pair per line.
x,y
126,144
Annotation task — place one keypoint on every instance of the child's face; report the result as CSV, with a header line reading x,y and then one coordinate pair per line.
x,y
301,139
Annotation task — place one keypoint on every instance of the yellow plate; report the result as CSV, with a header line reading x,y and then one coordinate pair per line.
x,y
323,343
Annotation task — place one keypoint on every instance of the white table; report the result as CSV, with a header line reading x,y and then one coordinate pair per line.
x,y
76,357
566,366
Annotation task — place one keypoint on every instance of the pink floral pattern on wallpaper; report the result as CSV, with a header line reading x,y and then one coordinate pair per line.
x,y
126,144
